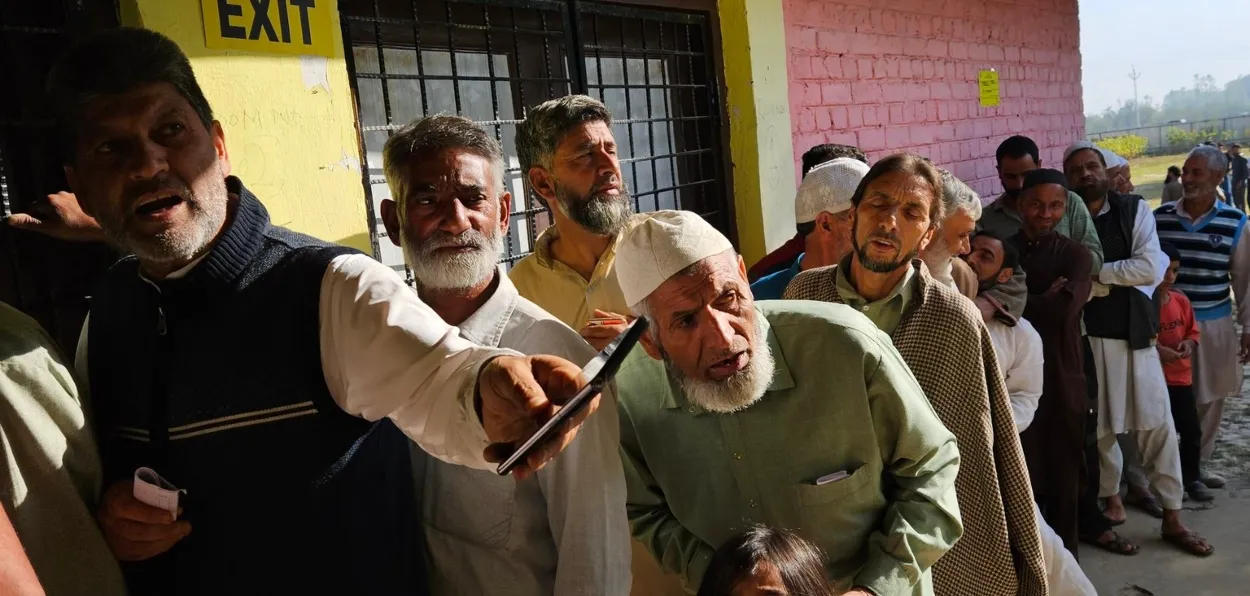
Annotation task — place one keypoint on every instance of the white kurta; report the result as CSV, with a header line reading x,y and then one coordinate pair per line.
x,y
1019,352
1132,393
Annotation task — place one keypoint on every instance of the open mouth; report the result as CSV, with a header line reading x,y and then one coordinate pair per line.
x,y
727,367
158,207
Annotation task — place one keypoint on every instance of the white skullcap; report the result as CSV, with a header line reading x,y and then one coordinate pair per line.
x,y
828,187
1112,160
662,246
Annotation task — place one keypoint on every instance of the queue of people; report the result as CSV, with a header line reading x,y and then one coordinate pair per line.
x,y
916,395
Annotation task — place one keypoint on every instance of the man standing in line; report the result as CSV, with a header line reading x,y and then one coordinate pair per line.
x,y
565,534
1215,268
953,238
1122,328
229,354
940,336
1019,351
822,210
1058,287
785,255
1016,157
568,155
723,388
1239,175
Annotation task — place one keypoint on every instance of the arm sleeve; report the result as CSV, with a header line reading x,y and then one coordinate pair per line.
x,y
651,521
1083,231
1066,304
585,493
386,354
1147,264
1024,380
921,521
1240,266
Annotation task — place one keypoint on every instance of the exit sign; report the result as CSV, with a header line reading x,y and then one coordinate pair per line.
x,y
297,27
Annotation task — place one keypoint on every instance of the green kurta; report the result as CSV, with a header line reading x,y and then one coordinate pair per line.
x,y
841,399
886,312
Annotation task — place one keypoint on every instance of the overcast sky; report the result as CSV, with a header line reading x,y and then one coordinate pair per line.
x,y
1168,40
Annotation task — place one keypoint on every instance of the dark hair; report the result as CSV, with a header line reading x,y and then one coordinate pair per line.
x,y
538,135
908,163
1173,173
829,152
798,562
1011,254
115,61
1170,250
1017,147
806,228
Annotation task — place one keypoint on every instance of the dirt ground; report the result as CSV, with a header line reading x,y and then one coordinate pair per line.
x,y
1162,570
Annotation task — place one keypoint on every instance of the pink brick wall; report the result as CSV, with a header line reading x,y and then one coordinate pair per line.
x,y
901,75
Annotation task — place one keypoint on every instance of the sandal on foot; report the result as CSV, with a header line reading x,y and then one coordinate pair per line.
x,y
1146,504
1190,542
1117,544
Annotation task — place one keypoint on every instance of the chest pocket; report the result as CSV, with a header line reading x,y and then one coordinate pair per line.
x,y
847,507
472,505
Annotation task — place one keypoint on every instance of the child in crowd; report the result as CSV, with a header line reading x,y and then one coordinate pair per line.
x,y
1178,336
763,561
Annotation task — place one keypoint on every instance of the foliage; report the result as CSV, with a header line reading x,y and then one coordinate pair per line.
x,y
1179,137
1203,101
1126,146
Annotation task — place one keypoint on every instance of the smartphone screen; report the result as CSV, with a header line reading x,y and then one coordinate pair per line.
x,y
601,369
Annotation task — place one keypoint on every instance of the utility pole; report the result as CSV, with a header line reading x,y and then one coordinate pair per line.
x,y
1136,106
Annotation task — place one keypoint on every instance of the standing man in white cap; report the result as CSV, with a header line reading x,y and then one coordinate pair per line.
x,y
1215,267
568,155
790,414
953,239
1122,326
940,335
566,534
822,214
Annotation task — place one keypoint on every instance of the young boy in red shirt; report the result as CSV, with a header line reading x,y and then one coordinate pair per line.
x,y
1178,336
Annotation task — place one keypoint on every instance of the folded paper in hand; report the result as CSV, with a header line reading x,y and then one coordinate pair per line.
x,y
150,488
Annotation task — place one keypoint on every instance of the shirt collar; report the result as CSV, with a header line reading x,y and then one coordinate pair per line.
x,y
487,324
782,379
853,298
1180,209
542,250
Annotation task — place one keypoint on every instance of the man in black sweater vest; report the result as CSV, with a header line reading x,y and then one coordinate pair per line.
x,y
262,371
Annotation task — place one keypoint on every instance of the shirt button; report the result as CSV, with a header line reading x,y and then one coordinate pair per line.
x,y
738,456
865,309
691,410
751,503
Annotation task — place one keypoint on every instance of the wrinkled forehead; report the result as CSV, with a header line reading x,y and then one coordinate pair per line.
x,y
697,284
585,135
1045,193
136,106
901,187
991,245
440,168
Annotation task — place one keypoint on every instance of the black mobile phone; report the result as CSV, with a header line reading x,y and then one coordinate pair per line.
x,y
601,369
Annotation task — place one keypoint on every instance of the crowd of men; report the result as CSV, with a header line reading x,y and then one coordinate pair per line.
x,y
942,397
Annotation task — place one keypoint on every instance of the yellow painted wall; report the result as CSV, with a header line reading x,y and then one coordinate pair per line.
x,y
758,104
289,122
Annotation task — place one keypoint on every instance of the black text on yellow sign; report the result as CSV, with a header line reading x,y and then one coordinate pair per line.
x,y
270,26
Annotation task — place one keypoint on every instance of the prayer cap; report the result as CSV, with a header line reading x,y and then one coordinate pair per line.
x,y
660,247
828,187
1044,176
1107,156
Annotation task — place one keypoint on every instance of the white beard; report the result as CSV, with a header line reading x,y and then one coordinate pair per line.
x,y
937,257
739,391
455,272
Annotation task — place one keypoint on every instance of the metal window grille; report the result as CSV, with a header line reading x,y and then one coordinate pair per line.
x,y
492,60
45,278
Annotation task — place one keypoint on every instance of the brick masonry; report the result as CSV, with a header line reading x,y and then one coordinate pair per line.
x,y
901,75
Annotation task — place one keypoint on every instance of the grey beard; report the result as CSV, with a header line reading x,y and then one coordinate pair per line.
x,y
739,391
937,257
453,272
206,218
600,214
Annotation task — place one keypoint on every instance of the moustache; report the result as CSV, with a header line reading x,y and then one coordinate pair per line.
x,y
889,236
467,239
161,185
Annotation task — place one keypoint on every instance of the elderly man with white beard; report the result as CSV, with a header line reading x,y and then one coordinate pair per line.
x,y
565,532
792,414
953,238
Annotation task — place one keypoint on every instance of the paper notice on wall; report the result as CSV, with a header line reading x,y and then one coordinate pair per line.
x,y
987,81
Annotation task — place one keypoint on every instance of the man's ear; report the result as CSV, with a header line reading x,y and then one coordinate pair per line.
x,y
390,219
927,238
219,144
648,345
505,211
742,268
543,183
1005,274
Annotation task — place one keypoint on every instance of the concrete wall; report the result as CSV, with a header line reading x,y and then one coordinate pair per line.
x,y
289,121
901,75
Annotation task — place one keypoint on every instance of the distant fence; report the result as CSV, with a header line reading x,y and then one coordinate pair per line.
x,y
1179,137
